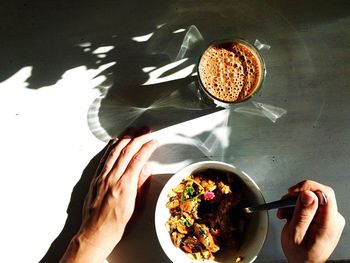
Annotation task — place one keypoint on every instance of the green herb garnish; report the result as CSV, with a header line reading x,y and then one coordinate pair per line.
x,y
185,222
190,190
202,232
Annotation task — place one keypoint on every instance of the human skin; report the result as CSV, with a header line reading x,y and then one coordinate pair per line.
x,y
110,201
312,231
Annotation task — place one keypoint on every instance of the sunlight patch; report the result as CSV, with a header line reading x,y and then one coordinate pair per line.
x,y
18,80
102,50
148,69
155,76
84,44
179,30
143,38
273,113
161,25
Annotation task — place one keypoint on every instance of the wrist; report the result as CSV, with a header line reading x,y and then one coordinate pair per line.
x,y
81,250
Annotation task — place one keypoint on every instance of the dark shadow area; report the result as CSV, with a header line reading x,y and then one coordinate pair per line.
x,y
74,211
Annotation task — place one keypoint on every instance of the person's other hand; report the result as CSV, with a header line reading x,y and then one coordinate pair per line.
x,y
110,201
312,231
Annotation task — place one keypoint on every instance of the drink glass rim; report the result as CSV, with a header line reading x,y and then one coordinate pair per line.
x,y
223,103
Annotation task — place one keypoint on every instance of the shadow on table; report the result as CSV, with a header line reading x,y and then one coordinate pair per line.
x,y
140,231
74,211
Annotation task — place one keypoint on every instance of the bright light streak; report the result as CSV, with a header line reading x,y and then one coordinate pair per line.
x,y
143,38
169,167
271,112
161,25
260,45
154,76
102,50
84,44
179,30
190,133
79,73
148,69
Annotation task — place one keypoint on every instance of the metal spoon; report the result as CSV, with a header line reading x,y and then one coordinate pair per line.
x,y
285,202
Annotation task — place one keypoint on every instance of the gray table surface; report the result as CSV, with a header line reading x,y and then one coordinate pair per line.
x,y
308,68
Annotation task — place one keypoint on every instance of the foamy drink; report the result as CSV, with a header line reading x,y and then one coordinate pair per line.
x,y
231,71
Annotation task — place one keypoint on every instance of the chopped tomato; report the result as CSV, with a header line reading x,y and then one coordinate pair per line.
x,y
187,249
187,206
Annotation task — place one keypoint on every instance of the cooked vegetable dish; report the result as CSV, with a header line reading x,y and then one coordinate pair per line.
x,y
203,218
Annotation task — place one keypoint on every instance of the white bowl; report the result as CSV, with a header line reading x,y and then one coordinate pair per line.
x,y
256,229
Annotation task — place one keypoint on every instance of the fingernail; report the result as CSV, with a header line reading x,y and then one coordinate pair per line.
x,y
306,199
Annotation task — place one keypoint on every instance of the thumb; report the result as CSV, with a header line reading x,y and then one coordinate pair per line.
x,y
303,215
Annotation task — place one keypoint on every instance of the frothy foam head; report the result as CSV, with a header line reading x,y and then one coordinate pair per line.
x,y
231,71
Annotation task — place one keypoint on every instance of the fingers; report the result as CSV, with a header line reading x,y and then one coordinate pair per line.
x,y
115,149
146,172
325,212
341,224
303,215
105,155
137,171
285,213
128,154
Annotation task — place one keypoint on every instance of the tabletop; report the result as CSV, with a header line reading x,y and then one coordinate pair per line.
x,y
76,73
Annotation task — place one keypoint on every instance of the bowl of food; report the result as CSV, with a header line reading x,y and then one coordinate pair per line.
x,y
199,215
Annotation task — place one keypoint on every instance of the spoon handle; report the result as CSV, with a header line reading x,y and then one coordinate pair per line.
x,y
287,202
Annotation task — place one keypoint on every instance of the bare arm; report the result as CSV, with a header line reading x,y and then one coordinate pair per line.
x,y
110,201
